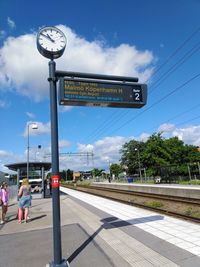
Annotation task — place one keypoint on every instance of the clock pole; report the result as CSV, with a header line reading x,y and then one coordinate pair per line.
x,y
58,261
51,43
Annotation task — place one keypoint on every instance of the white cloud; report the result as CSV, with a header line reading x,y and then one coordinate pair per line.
x,y
63,143
99,154
11,23
104,151
4,154
189,135
30,115
143,137
166,127
24,70
64,108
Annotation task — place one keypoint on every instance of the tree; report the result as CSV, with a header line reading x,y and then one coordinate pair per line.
x,y
63,175
129,160
155,154
97,172
160,156
69,175
115,169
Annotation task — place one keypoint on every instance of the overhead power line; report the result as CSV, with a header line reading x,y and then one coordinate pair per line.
x,y
174,67
116,117
159,101
176,116
177,50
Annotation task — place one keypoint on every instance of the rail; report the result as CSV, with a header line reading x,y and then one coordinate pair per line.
x,y
188,209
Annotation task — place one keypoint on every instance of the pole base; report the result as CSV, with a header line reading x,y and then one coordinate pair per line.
x,y
64,263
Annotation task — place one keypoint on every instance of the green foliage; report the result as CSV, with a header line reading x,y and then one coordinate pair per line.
x,y
130,157
115,169
69,175
192,182
97,172
160,156
154,204
85,183
155,152
192,213
63,175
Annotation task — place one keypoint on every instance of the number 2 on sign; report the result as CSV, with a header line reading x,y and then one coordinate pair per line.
x,y
137,97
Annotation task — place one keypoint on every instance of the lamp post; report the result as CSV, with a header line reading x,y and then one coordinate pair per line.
x,y
138,153
34,127
109,171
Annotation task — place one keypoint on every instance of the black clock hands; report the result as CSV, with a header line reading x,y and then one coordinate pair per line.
x,y
48,37
51,42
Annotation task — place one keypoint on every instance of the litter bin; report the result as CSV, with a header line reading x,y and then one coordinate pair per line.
x,y
130,180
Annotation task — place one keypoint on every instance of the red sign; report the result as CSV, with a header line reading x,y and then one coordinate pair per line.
x,y
55,181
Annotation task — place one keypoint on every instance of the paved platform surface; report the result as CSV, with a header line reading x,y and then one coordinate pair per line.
x,y
98,232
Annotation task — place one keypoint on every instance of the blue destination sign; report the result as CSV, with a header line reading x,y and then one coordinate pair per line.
x,y
86,92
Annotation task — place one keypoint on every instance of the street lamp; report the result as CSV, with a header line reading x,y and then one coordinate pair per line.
x,y
139,163
34,127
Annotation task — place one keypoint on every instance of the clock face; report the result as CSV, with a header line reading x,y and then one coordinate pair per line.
x,y
51,42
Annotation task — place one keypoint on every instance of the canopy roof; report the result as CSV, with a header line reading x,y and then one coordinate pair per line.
x,y
32,165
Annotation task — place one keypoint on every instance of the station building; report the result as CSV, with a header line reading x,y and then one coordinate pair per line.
x,y
37,175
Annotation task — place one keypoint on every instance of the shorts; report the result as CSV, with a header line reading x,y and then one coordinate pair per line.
x,y
24,202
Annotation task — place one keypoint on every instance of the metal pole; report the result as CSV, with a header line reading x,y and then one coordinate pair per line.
x,y
60,73
55,170
145,175
189,172
198,167
43,187
28,153
18,178
139,165
138,154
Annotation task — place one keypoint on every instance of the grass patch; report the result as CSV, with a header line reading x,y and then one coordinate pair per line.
x,y
193,182
154,204
192,213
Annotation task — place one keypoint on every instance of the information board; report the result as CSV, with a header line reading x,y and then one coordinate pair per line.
x,y
84,92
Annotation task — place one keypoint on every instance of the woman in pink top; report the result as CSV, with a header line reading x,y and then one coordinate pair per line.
x,y
4,197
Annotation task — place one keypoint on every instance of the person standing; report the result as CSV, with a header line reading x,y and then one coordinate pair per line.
x,y
4,198
45,188
50,187
25,200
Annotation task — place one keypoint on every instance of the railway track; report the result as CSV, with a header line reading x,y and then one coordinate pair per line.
x,y
188,209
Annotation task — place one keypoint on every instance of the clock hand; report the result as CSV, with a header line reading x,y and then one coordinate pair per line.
x,y
48,37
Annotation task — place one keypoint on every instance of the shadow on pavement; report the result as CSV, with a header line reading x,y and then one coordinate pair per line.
x,y
108,223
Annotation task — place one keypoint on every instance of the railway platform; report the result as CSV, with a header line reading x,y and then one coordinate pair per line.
x,y
98,232
185,191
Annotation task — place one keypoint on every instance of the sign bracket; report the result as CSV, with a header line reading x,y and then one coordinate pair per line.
x,y
60,73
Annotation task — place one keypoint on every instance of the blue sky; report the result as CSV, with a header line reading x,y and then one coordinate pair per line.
x,y
157,41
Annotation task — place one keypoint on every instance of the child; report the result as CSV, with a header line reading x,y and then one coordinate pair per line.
x,y
4,198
